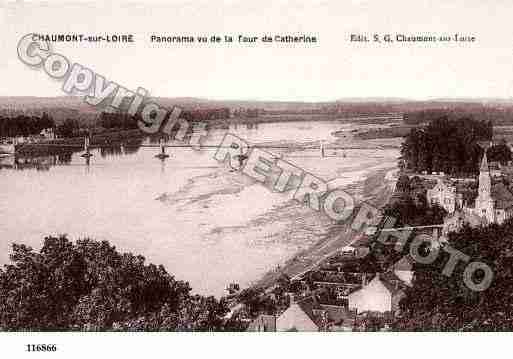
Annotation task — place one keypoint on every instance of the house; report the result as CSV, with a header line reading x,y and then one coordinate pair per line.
x,y
348,250
336,285
503,202
455,221
362,244
263,323
48,134
233,288
444,194
299,317
493,204
308,315
382,294
338,318
403,269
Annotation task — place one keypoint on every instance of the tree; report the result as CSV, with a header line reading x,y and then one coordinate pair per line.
x,y
500,153
440,302
446,145
24,125
68,128
403,184
413,212
88,285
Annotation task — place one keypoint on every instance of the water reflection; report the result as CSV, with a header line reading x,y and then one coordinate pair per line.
x,y
64,158
112,151
163,166
50,157
121,148
39,163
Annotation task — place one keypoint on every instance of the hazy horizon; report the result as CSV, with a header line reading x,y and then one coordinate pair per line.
x,y
345,99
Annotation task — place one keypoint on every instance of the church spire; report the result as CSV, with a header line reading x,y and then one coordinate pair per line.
x,y
484,164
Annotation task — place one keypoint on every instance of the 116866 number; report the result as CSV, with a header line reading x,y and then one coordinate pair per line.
x,y
41,347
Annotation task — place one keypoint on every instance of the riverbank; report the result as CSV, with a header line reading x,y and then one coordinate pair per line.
x,y
74,144
69,145
375,190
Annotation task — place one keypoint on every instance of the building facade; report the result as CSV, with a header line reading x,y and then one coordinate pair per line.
x,y
445,196
493,203
379,295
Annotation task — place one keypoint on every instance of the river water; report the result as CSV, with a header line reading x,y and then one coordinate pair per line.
x,y
206,224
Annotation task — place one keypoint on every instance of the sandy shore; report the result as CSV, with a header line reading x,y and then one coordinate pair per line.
x,y
376,190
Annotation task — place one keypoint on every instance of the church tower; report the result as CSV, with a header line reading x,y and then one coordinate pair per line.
x,y
484,201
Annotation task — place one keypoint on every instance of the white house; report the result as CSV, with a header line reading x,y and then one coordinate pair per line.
x,y
445,196
298,317
379,295
48,133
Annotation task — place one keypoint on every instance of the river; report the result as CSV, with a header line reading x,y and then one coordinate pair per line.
x,y
206,224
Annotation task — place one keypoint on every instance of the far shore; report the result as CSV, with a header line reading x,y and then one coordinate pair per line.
x,y
117,136
300,117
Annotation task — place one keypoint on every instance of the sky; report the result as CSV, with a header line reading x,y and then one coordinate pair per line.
x,y
334,68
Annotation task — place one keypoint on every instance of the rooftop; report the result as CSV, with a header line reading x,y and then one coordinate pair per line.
x,y
405,264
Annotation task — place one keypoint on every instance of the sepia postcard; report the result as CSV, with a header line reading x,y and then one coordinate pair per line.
x,y
254,166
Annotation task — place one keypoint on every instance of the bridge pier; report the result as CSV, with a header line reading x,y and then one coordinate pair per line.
x,y
162,155
87,153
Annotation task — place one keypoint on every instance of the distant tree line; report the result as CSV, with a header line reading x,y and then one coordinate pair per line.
x,y
451,146
248,112
69,128
123,121
498,115
89,285
24,125
205,115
